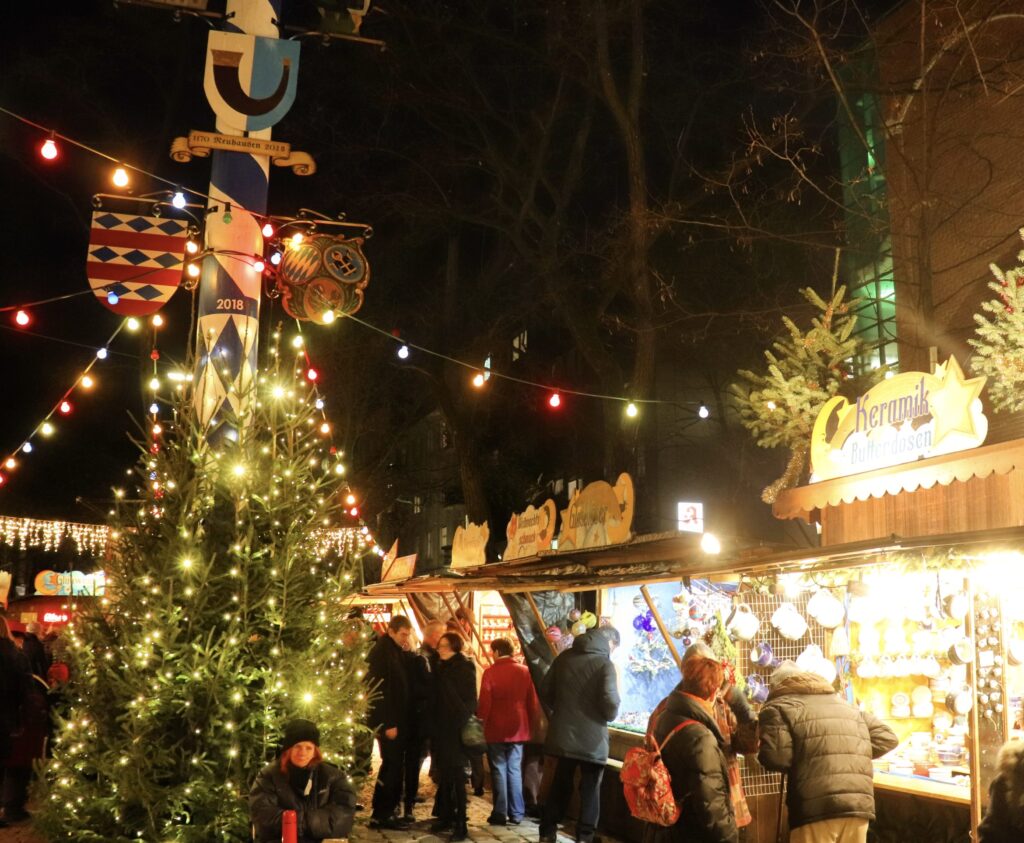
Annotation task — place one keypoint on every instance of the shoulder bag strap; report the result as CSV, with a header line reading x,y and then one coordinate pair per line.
x,y
782,800
668,737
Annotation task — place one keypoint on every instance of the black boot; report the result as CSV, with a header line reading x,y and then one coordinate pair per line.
x,y
459,832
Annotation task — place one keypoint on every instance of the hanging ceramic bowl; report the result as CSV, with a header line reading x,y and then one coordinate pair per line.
x,y
1015,651
744,624
961,652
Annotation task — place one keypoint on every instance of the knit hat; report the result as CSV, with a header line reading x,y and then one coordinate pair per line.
x,y
298,731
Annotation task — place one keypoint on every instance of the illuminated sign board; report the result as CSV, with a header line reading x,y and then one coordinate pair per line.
x,y
911,416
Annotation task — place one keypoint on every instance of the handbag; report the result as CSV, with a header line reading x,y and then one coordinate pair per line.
x,y
472,735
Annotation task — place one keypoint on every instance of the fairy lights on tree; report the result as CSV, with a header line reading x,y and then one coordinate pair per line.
x,y
222,620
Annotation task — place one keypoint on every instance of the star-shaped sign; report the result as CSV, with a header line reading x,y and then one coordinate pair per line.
x,y
951,402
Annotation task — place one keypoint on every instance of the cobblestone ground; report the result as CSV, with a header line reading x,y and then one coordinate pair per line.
x,y
478,810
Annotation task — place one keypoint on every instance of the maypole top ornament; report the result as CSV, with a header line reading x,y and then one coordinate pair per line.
x,y
323,274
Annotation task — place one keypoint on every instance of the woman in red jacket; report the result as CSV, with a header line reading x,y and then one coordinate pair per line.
x,y
507,704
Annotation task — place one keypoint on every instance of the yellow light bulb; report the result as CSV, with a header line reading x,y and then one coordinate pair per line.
x,y
87,382
328,317
631,410
297,239
158,320
132,324
120,177
46,429
154,383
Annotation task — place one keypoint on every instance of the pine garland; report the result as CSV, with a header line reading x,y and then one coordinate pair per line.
x,y
805,369
1000,337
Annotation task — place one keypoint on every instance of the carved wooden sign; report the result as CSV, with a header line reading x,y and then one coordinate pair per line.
x,y
469,545
531,531
600,515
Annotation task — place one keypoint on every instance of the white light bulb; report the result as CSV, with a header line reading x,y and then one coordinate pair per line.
x,y
101,354
179,200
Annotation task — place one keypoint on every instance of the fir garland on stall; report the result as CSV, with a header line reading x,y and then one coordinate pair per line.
x,y
221,622
805,369
1000,337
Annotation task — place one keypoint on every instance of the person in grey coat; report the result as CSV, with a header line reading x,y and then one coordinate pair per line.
x,y
581,696
825,745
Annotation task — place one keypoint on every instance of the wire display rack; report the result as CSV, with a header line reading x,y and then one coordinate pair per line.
x,y
756,780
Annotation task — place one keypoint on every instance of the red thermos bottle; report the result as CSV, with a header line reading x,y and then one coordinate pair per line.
x,y
289,829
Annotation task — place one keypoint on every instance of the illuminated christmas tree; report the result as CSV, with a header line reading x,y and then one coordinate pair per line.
x,y
224,617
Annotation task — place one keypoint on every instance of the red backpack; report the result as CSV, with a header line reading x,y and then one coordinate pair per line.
x,y
645,779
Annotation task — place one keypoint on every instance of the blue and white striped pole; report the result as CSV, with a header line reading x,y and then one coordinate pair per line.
x,y
250,83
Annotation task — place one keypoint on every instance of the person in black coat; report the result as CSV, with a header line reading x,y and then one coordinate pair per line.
x,y
454,704
1004,819
35,652
694,754
14,691
580,693
301,781
389,717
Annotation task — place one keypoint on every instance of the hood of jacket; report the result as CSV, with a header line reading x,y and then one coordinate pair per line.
x,y
801,683
592,642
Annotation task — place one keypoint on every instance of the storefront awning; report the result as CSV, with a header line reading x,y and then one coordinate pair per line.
x,y
980,462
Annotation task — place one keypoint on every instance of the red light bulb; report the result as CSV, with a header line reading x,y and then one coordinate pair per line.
x,y
49,150
555,400
354,512
312,374
22,318
65,407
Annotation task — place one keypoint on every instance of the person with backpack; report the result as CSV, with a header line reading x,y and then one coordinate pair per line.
x,y
693,753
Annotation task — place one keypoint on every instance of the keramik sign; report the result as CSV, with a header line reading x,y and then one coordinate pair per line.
x,y
905,418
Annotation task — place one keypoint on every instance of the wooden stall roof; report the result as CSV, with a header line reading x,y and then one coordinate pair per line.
x,y
1001,458
671,556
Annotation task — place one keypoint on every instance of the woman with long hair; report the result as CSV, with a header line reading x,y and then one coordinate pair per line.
x,y
455,702
301,781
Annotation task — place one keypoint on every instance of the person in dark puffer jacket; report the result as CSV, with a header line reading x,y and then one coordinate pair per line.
x,y
825,745
580,693
1004,819
695,757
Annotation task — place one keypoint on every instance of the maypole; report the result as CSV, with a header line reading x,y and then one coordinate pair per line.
x,y
250,83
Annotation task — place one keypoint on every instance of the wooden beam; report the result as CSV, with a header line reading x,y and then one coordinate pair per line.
x,y
540,621
661,626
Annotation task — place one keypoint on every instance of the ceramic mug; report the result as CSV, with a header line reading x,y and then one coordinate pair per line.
x,y
757,688
960,701
961,652
744,624
763,656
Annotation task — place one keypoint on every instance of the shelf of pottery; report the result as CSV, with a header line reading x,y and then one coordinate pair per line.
x,y
912,652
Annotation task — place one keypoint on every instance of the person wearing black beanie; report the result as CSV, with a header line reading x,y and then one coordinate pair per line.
x,y
301,781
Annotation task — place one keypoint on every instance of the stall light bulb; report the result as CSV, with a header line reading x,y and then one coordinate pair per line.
x,y
101,354
226,219
325,428
297,341
191,246
154,383
297,239
22,318
10,463
113,298
703,411
710,544
65,407
120,177
193,270
354,512
555,400
319,403
350,499
259,265
275,258
157,320
27,447
179,200
133,324
49,149
157,430
403,352
328,317
154,408
478,380
87,382
339,469
268,230
631,410
312,374
46,429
